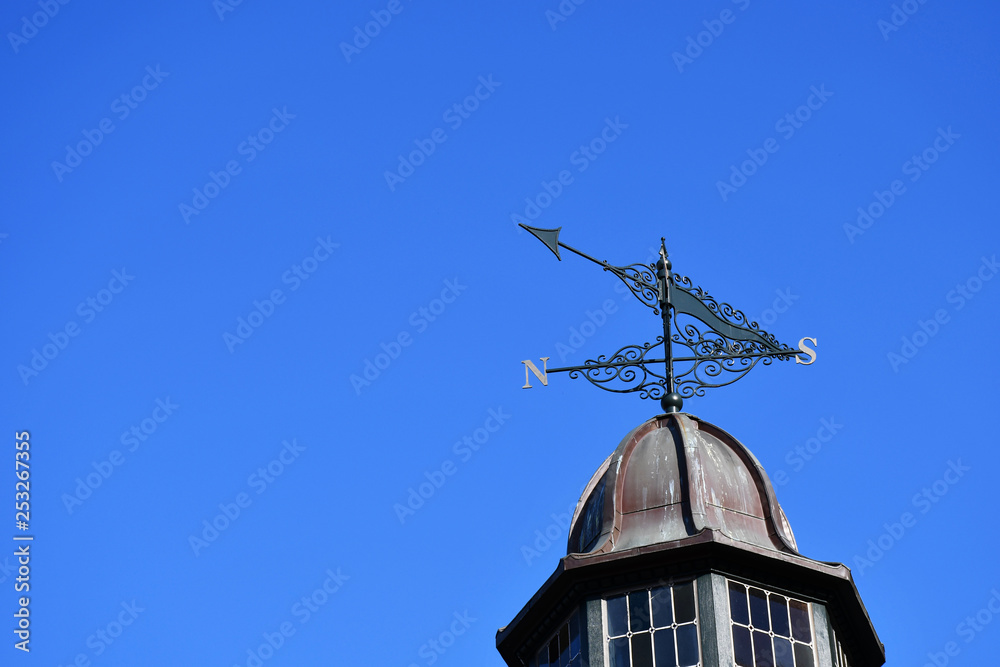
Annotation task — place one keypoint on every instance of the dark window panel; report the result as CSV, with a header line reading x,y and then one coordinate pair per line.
x,y
758,609
742,647
738,603
783,653
663,648
554,651
564,646
763,655
638,610
574,636
617,616
779,615
803,656
800,621
642,650
618,650
662,613
684,602
687,645
543,657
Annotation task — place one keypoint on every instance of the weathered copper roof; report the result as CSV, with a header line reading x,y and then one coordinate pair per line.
x,y
672,477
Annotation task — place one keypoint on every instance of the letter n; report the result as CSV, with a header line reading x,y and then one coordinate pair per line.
x,y
542,375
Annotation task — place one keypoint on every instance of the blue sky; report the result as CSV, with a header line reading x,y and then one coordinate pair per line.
x,y
217,214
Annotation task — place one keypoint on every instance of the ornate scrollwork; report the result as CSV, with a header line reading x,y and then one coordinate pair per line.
x,y
723,310
640,280
627,366
717,360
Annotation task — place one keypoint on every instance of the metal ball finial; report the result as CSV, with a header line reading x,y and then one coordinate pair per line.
x,y
664,259
672,402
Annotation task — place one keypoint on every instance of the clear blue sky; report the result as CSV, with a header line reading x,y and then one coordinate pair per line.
x,y
215,215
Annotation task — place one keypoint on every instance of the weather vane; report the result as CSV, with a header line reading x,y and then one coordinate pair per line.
x,y
720,356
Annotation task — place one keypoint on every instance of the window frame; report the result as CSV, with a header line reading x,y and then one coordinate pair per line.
x,y
663,583
580,629
813,642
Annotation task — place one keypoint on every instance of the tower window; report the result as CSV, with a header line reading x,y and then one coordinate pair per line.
x,y
563,648
653,627
770,630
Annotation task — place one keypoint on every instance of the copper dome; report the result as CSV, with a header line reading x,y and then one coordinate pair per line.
x,y
672,477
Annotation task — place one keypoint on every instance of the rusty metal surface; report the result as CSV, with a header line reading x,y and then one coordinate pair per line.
x,y
672,477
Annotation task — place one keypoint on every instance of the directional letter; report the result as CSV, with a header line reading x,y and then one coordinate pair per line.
x,y
542,375
807,350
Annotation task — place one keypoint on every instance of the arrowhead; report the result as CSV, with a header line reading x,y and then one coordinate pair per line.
x,y
550,237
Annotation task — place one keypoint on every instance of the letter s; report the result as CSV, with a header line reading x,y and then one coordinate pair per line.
x,y
243,149
952,297
129,439
418,322
87,314
450,117
462,451
786,130
288,279
426,652
119,108
299,610
806,350
252,481
96,644
921,503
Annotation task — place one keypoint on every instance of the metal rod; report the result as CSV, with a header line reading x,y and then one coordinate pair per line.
x,y
642,362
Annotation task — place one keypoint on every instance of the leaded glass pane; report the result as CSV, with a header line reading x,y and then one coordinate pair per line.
x,y
642,650
803,655
663,648
758,609
617,616
661,624
777,631
638,611
779,615
684,602
618,650
742,646
762,654
687,645
563,648
800,621
662,613
738,603
783,653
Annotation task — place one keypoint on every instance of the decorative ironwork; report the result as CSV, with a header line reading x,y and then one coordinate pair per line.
x,y
628,366
731,346
640,279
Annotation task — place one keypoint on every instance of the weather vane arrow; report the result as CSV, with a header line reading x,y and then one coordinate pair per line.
x,y
719,356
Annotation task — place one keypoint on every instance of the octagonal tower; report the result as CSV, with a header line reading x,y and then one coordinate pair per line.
x,y
679,555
